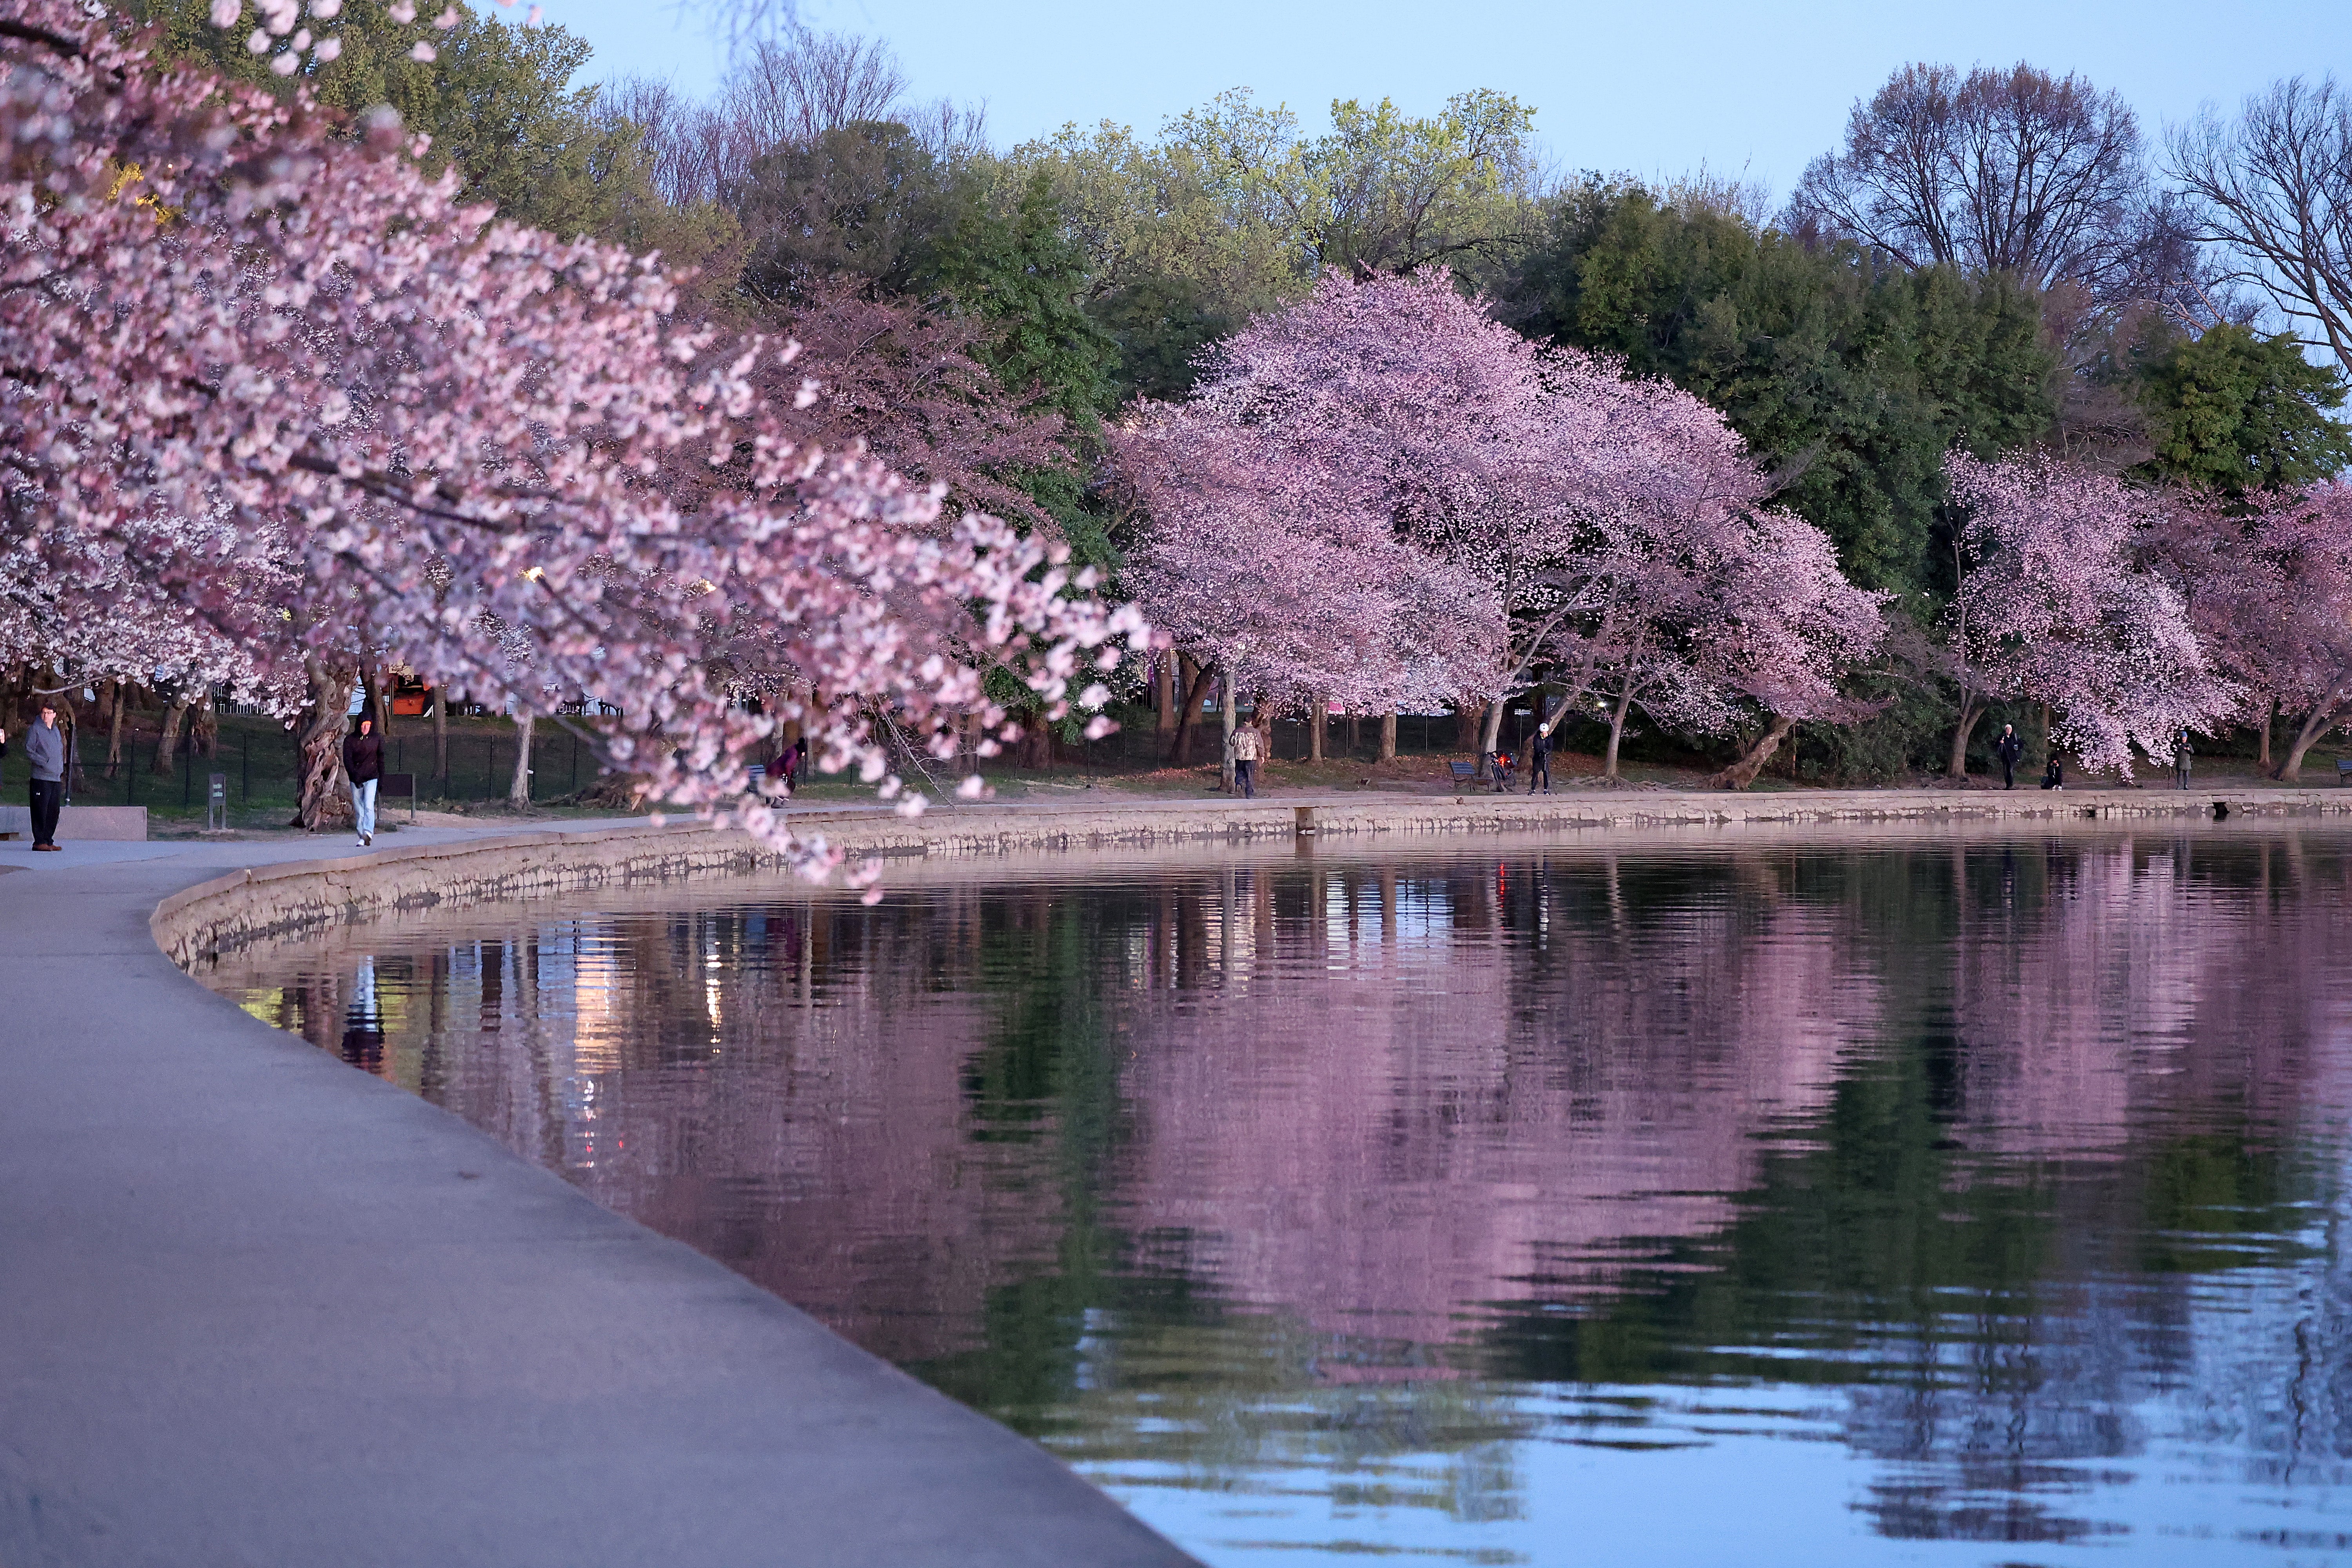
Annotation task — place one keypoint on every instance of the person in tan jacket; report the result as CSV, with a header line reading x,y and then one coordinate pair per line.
x,y
1249,746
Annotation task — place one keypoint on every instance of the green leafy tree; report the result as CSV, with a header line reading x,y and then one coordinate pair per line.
x,y
2232,410
1018,269
495,100
866,199
1849,374
1233,209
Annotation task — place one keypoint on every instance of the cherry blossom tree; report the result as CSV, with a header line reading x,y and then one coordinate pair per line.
x,y
2057,606
441,433
910,384
1289,580
2269,591
1616,530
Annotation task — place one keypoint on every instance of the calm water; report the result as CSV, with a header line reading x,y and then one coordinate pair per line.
x,y
1902,1201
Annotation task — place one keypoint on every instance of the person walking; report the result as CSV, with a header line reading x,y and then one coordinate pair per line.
x,y
2009,748
1248,747
2180,753
44,750
1539,759
363,765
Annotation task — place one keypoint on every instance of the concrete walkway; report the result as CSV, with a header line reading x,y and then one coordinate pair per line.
x,y
258,1309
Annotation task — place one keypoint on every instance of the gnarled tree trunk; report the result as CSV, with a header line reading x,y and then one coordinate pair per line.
x,y
1490,738
1315,717
168,742
1181,752
1742,773
114,728
325,800
204,726
2307,734
1616,731
1388,736
1972,712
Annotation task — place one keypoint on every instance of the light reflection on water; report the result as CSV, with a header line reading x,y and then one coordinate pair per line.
x,y
1935,1201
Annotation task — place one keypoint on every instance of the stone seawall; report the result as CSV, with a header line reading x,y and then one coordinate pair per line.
x,y
282,900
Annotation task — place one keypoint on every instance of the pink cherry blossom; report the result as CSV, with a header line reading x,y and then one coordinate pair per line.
x,y
279,385
2057,606
1557,522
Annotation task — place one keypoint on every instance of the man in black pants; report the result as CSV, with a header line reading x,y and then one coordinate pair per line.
x,y
45,749
1539,759
2009,748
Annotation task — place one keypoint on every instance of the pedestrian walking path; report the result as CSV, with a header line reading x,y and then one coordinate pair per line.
x,y
258,1309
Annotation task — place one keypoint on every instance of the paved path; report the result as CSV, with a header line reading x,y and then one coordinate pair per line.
x,y
258,1309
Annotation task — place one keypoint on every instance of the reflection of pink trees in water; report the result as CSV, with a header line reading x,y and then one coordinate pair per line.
x,y
1374,1108
1455,1093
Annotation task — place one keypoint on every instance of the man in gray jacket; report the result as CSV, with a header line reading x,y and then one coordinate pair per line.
x,y
45,749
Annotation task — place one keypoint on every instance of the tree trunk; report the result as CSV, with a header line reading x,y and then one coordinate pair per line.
x,y
519,792
1229,712
1034,749
1466,726
168,741
114,730
1355,734
2269,722
324,800
2307,735
1616,731
1167,693
1490,738
204,726
441,739
1742,773
1181,752
1971,713
1315,717
1388,736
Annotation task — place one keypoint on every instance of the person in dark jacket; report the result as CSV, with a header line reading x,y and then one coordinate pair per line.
x,y
45,749
2054,776
1539,759
2180,753
363,765
2009,748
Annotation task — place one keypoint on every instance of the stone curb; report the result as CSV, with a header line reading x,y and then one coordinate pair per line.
x,y
280,900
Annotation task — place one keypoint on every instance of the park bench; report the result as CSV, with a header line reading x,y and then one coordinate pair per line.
x,y
1467,773
2343,769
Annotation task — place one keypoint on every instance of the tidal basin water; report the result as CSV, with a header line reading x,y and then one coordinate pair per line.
x,y
1675,1200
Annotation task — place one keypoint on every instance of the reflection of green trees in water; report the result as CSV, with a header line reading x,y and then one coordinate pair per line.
x,y
1967,1137
1886,1241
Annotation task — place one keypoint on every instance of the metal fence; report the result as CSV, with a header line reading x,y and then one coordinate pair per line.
x,y
262,767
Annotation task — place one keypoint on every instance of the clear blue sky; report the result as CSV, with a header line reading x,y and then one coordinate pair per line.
x,y
1650,88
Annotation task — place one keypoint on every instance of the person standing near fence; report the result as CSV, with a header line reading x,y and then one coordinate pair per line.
x,y
44,750
363,765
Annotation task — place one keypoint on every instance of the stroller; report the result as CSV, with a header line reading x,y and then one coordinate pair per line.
x,y
1502,772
